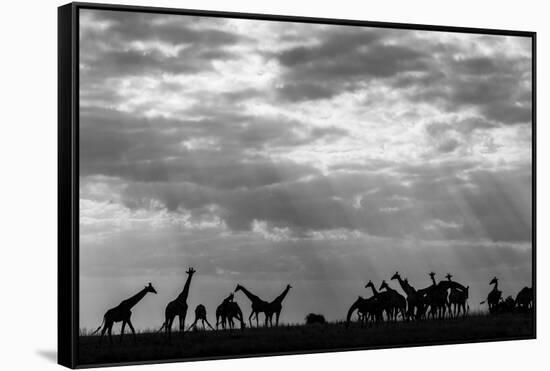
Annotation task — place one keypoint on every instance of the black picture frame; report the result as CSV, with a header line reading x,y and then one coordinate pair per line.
x,y
68,165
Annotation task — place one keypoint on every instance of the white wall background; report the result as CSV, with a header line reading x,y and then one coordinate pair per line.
x,y
28,145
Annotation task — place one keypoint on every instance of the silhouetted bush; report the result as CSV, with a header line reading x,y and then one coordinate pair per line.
x,y
313,318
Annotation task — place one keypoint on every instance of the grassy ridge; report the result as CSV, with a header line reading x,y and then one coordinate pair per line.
x,y
298,338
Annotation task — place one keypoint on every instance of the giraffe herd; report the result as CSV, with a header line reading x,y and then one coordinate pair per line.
x,y
443,299
226,312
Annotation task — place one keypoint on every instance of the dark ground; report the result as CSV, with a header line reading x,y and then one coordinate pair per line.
x,y
300,338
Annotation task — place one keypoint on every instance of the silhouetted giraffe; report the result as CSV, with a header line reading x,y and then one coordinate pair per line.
x,y
398,301
524,299
227,311
276,306
258,305
221,311
200,314
367,309
458,297
383,299
437,298
232,310
413,299
494,296
177,307
122,312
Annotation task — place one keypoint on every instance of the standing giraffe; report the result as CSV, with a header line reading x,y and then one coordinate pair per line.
x,y
122,312
383,299
276,306
234,311
221,311
413,299
367,309
227,311
398,301
177,307
437,298
494,296
258,305
200,314
458,297
524,299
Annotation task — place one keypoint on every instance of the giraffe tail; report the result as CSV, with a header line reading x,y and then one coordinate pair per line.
x,y
99,328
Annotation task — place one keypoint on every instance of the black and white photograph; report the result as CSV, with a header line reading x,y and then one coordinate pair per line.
x,y
252,186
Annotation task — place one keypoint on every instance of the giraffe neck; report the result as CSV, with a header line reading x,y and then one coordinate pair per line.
x,y
227,299
131,301
249,295
375,292
433,280
185,292
280,298
406,287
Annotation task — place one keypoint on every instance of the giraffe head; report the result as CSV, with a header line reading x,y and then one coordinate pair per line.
x,y
396,276
229,298
493,281
384,285
190,271
150,288
431,274
449,276
288,287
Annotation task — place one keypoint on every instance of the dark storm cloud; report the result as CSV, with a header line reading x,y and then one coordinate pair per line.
x,y
134,26
119,57
217,154
296,92
340,58
498,86
162,150
436,203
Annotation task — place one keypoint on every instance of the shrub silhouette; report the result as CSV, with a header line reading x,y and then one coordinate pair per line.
x,y
313,318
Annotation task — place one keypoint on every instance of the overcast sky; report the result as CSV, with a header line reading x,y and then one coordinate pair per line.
x,y
267,153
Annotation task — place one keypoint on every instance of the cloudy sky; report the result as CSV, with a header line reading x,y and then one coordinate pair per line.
x,y
267,153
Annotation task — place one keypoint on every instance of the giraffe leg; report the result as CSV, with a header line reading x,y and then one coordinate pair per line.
x,y
209,325
193,324
169,329
277,319
102,333
132,329
109,330
182,323
250,318
122,330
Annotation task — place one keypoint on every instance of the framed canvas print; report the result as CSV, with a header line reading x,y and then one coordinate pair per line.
x,y
236,185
